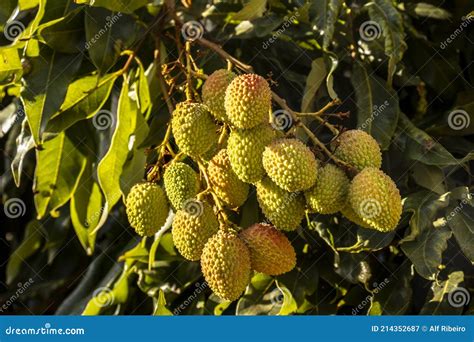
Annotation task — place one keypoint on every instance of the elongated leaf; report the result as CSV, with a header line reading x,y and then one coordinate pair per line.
x,y
6,10
377,105
160,306
327,13
84,98
107,34
24,143
87,205
65,34
252,9
426,251
124,6
110,168
59,166
391,21
442,295
316,77
46,87
10,65
461,221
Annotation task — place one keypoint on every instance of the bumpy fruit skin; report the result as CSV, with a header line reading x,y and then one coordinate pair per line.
x,y
213,92
270,250
193,128
227,186
352,216
245,148
284,209
181,183
191,229
358,149
290,164
225,263
248,101
329,194
147,208
374,197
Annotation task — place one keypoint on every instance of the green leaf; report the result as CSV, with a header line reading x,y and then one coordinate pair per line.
x,y
377,105
59,166
142,90
128,132
24,144
124,6
31,243
461,221
333,62
6,10
84,98
252,10
430,177
27,4
314,80
426,251
422,147
46,87
10,65
443,296
391,21
260,297
424,9
65,34
107,34
289,305
327,13
160,306
86,208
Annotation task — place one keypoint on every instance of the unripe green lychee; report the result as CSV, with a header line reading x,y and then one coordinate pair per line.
x,y
329,194
213,92
245,149
358,149
147,208
225,263
181,183
227,186
248,101
192,227
290,164
270,250
374,197
284,209
193,128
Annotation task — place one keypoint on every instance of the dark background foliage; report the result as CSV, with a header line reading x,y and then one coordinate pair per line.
x,y
64,236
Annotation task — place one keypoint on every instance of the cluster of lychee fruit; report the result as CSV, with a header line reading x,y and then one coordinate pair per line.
x,y
287,176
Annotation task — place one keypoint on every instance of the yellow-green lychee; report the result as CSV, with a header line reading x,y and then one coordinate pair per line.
x,y
193,128
284,209
245,149
270,250
147,208
248,101
181,183
352,216
213,92
290,164
359,149
225,263
374,197
192,227
225,183
329,194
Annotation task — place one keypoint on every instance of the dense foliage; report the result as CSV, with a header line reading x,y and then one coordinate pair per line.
x,y
87,89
